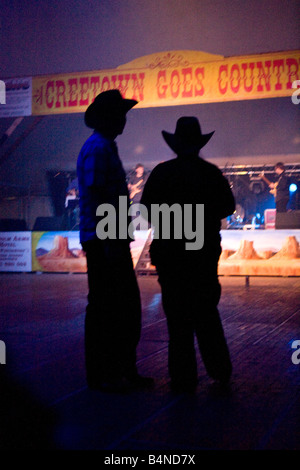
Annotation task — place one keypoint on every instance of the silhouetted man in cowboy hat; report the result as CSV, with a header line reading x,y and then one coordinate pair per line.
x,y
188,276
113,314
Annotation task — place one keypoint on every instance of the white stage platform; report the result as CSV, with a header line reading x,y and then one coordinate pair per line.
x,y
245,252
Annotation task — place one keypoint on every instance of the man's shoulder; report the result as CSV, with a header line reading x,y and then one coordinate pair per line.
x,y
209,166
161,169
96,140
165,165
94,144
199,165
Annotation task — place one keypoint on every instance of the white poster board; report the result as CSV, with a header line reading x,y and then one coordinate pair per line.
x,y
16,98
15,251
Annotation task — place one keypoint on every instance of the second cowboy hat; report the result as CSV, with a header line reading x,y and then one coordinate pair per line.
x,y
107,104
188,137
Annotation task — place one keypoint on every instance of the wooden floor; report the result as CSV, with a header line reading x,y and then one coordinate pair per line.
x,y
45,402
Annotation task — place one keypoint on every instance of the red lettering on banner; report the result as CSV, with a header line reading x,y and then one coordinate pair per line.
x,y
160,84
262,78
114,81
235,78
248,88
263,75
175,82
49,102
188,87
223,70
199,73
73,83
95,86
277,64
105,85
187,82
292,72
60,93
84,88
123,87
138,87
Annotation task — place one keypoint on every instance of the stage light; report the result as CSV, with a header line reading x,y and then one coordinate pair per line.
x,y
293,187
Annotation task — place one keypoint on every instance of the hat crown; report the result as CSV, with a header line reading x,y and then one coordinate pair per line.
x,y
188,137
188,130
109,98
108,104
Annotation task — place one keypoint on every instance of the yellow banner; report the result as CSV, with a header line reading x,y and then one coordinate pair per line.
x,y
171,79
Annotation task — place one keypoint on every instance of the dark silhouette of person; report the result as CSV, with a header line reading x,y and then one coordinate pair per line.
x,y
113,313
26,423
188,277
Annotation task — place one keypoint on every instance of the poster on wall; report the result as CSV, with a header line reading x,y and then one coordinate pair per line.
x,y
62,252
260,253
15,251
57,252
17,94
251,253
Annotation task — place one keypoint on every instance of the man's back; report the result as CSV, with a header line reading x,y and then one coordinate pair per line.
x,y
191,181
101,179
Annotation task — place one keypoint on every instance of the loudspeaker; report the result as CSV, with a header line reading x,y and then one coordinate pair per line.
x,y
48,224
285,220
13,225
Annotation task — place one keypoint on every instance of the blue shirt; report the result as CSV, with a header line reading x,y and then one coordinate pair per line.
x,y
101,179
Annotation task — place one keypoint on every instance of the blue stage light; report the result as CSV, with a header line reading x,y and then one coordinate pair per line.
x,y
293,187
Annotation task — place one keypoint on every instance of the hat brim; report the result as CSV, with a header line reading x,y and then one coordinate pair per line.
x,y
178,146
95,113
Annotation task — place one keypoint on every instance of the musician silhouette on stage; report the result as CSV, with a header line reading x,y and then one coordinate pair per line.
x,y
72,206
280,188
136,182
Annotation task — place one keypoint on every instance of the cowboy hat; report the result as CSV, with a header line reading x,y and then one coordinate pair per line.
x,y
107,104
187,137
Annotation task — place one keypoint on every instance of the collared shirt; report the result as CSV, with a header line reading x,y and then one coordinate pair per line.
x,y
101,179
